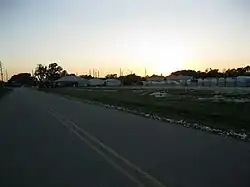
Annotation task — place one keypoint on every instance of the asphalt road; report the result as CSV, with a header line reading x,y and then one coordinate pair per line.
x,y
48,140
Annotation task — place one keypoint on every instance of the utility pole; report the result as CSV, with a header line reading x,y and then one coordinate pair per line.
x,y
121,72
1,73
1,70
6,75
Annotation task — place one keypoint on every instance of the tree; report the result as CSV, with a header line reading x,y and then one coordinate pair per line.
x,y
209,72
41,72
240,71
64,73
231,73
111,76
200,74
184,73
212,73
247,69
131,79
54,72
22,79
86,76
49,73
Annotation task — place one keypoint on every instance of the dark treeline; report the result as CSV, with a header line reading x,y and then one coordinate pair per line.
x,y
243,71
53,72
42,73
21,79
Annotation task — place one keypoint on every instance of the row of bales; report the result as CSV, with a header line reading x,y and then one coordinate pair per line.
x,y
240,81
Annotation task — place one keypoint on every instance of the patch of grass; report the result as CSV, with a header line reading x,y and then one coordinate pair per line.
x,y
178,105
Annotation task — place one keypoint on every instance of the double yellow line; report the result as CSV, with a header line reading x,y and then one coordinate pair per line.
x,y
134,173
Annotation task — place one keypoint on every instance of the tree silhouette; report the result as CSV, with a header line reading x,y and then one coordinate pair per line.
x,y
22,79
50,73
209,72
53,72
111,76
131,79
86,76
64,73
41,72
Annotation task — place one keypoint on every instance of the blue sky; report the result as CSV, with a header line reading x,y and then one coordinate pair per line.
x,y
159,35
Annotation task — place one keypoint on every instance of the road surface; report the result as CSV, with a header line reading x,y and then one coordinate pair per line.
x,y
48,140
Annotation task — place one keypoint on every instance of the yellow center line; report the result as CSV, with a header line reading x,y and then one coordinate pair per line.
x,y
67,123
132,178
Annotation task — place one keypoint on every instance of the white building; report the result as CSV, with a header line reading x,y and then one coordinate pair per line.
x,y
179,80
243,81
112,82
68,79
96,82
172,82
83,82
155,80
231,81
71,81
222,82
210,81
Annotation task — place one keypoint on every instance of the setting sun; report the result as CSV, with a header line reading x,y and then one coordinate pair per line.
x,y
162,58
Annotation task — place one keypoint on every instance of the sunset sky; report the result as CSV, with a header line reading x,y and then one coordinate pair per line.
x,y
159,35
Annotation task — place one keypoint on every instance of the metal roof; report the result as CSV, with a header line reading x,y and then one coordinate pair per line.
x,y
70,79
